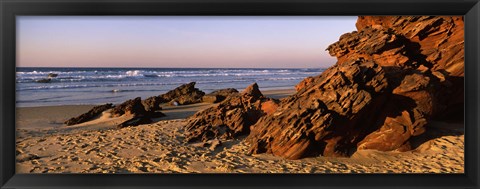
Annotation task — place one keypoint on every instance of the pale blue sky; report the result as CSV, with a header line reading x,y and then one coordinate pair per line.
x,y
178,41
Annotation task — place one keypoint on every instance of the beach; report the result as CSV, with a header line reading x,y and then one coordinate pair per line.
x,y
45,145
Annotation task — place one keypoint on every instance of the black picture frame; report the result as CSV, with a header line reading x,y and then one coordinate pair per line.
x,y
11,8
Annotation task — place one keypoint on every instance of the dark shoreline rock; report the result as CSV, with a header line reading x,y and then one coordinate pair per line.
x,y
90,115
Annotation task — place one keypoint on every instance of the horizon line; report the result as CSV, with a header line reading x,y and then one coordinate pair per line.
x,y
185,67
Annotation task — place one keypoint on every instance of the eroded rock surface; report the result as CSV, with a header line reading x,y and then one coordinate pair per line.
x,y
392,76
232,117
182,95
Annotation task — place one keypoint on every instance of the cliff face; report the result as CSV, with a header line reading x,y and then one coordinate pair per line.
x,y
392,75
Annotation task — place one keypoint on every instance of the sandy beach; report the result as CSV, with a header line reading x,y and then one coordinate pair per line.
x,y
45,145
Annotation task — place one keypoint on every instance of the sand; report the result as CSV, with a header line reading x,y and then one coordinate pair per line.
x,y
44,145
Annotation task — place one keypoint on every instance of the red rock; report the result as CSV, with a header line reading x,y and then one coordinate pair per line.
x,y
392,76
231,118
305,82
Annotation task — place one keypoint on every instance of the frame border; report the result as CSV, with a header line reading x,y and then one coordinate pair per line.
x,y
11,8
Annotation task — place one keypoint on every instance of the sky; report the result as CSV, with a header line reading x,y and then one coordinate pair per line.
x,y
179,41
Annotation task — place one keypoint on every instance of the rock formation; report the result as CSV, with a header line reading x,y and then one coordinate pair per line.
x,y
392,76
132,107
135,108
232,117
184,94
219,95
91,114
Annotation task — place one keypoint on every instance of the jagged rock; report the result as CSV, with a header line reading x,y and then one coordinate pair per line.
x,y
323,118
305,82
440,41
253,90
46,80
50,75
153,103
184,94
391,77
219,95
129,107
91,114
232,117
136,108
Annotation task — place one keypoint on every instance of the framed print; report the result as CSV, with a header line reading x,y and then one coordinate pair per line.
x,y
281,94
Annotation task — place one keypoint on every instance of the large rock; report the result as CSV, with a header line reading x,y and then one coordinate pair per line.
x,y
129,107
184,94
219,95
328,117
392,76
136,109
153,103
91,114
232,117
304,83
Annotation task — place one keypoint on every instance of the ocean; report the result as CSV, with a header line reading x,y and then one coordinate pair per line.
x,y
75,86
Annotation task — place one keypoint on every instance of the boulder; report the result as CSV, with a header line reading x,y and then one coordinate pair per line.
x,y
232,117
219,95
90,115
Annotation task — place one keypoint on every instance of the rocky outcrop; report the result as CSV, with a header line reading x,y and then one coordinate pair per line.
x,y
129,107
153,103
182,95
90,115
391,77
135,108
324,118
304,83
132,107
219,95
232,117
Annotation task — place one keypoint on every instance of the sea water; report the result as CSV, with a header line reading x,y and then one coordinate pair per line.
x,y
74,86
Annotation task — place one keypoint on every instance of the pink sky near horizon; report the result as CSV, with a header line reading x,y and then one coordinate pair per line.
x,y
221,42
